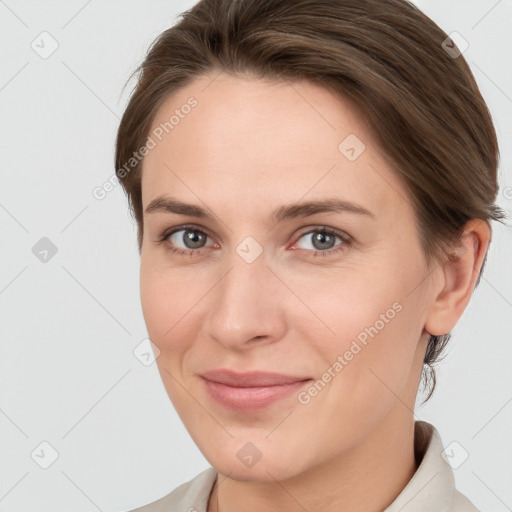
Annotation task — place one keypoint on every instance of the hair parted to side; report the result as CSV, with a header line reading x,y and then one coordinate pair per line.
x,y
422,105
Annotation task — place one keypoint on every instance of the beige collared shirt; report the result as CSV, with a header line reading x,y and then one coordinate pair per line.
x,y
431,489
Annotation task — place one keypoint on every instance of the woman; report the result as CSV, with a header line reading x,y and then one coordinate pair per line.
x,y
313,184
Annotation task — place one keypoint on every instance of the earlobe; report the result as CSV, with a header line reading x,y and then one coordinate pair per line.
x,y
458,276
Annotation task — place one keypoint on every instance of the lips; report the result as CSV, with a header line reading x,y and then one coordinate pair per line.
x,y
250,379
251,391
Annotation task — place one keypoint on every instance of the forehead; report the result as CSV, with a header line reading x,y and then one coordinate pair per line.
x,y
259,142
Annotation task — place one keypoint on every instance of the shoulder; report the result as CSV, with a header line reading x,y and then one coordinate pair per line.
x,y
461,503
191,496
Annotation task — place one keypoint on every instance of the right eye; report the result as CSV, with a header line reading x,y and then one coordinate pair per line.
x,y
185,240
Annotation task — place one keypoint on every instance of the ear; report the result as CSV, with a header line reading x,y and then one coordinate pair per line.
x,y
458,276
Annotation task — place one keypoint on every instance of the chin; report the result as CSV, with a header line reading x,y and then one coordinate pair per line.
x,y
261,472
253,462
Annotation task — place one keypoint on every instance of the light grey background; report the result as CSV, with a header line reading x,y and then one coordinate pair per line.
x,y
68,327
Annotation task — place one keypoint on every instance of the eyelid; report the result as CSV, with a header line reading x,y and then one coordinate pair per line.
x,y
309,229
167,233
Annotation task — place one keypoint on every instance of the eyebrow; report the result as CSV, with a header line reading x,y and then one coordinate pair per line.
x,y
165,204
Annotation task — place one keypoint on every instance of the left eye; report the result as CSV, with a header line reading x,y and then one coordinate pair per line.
x,y
321,239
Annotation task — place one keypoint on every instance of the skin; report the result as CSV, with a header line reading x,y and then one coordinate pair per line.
x,y
249,147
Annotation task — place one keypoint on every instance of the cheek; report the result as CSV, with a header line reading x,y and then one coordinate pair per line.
x,y
164,302
171,320
366,331
369,366
174,305
154,302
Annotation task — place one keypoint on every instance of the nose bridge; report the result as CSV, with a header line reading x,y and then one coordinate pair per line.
x,y
245,303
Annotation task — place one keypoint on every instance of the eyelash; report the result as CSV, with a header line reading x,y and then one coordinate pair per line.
x,y
345,238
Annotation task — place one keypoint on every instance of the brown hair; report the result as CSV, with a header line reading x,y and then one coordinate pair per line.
x,y
417,94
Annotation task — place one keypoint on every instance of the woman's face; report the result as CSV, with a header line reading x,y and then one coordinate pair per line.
x,y
259,285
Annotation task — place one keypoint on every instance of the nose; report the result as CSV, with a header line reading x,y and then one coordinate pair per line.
x,y
247,305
